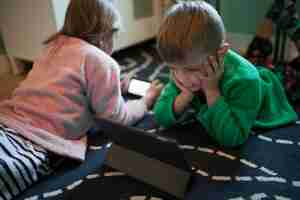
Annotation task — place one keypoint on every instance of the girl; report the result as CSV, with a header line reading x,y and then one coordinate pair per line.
x,y
72,84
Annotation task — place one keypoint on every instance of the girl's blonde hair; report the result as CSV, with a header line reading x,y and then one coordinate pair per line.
x,y
190,32
89,20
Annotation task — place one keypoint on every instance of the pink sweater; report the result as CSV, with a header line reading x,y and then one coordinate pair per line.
x,y
71,85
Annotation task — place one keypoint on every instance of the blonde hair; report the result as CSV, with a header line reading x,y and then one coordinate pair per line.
x,y
90,20
190,32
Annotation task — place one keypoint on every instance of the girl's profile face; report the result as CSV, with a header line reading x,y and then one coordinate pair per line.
x,y
107,43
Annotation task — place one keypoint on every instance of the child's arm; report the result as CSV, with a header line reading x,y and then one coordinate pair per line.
x,y
164,107
181,102
103,90
230,114
230,119
184,99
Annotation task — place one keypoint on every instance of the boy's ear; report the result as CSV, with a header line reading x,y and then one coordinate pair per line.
x,y
223,50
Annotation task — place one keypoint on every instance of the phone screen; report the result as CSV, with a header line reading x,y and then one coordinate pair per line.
x,y
138,87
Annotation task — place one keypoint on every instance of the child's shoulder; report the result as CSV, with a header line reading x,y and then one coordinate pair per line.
x,y
79,49
238,67
239,73
98,57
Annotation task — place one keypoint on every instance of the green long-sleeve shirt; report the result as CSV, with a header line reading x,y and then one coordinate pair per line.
x,y
250,97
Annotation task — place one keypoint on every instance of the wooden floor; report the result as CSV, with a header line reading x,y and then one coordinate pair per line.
x,y
8,83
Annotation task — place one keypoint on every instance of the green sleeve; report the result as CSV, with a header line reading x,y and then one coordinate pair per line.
x,y
163,109
230,119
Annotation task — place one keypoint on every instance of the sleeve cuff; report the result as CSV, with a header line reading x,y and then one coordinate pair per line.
x,y
170,110
217,108
164,114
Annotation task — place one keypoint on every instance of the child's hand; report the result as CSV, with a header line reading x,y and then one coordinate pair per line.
x,y
179,84
125,81
184,89
153,93
213,73
125,85
183,100
210,81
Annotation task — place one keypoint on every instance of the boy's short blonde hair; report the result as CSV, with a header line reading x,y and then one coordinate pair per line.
x,y
190,32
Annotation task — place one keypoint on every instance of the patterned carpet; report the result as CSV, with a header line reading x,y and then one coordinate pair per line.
x,y
143,61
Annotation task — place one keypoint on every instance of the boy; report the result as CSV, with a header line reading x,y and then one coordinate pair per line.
x,y
236,95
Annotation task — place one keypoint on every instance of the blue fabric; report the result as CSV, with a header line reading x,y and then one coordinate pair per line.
x,y
21,163
69,172
280,158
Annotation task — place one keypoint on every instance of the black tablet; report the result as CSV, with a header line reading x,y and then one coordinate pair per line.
x,y
148,157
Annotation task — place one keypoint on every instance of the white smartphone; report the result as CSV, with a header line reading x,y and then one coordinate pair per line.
x,y
138,87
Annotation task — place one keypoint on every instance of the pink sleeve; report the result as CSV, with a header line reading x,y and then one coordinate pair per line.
x,y
103,87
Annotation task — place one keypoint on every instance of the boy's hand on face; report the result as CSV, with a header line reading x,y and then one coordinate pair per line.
x,y
213,73
187,80
184,99
184,90
210,80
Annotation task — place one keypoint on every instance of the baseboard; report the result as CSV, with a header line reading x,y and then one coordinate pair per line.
x,y
5,66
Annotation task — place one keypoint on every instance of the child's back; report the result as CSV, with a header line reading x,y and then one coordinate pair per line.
x,y
71,85
54,98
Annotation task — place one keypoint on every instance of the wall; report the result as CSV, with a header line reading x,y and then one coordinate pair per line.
x,y
26,24
59,8
242,17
